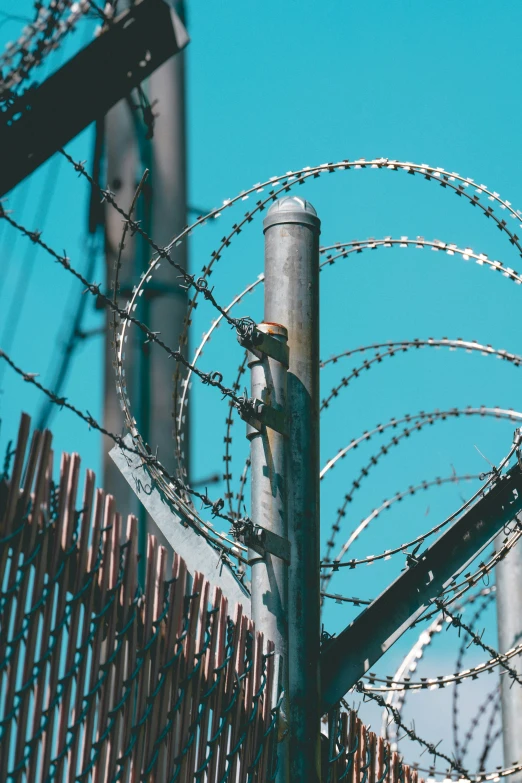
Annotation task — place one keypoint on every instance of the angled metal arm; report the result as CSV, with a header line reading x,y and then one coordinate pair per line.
x,y
177,533
45,118
348,656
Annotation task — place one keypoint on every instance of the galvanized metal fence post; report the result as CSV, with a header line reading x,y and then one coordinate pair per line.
x,y
292,230
269,509
508,577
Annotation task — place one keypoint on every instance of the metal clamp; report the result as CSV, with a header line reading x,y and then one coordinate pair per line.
x,y
257,413
266,342
262,541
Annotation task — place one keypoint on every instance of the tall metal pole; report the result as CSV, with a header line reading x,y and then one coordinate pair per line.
x,y
162,211
509,619
168,306
292,298
269,574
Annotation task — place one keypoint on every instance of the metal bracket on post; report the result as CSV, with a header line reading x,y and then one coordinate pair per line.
x,y
262,541
257,413
263,342
267,535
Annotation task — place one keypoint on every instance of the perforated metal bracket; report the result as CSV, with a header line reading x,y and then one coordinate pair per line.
x,y
258,413
262,541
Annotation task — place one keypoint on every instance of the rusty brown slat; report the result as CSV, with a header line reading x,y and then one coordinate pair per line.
x,y
174,677
127,596
97,517
16,475
209,676
198,687
152,724
42,691
257,727
143,684
131,647
103,581
79,569
107,651
373,756
238,714
31,647
217,699
19,544
23,544
229,690
380,758
41,451
353,745
67,507
247,705
189,662
394,767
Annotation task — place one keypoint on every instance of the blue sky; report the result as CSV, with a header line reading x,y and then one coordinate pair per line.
x,y
276,86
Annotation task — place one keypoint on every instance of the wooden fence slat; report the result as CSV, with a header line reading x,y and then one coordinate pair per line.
x,y
67,507
16,475
198,681
131,647
152,725
88,608
144,679
17,587
79,569
217,701
103,581
107,648
188,684
42,694
170,691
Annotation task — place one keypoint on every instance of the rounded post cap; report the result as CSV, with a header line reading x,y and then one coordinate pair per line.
x,y
291,209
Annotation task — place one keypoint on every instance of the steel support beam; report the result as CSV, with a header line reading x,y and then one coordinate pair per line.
x,y
292,299
351,654
44,118
176,532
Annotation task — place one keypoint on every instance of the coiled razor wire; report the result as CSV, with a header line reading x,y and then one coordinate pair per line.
x,y
176,488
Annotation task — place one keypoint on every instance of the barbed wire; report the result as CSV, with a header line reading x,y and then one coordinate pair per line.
x,y
411,732
39,38
290,179
402,347
391,347
285,183
146,459
200,286
421,420
245,325
457,622
499,772
490,738
386,506
211,378
410,662
483,605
